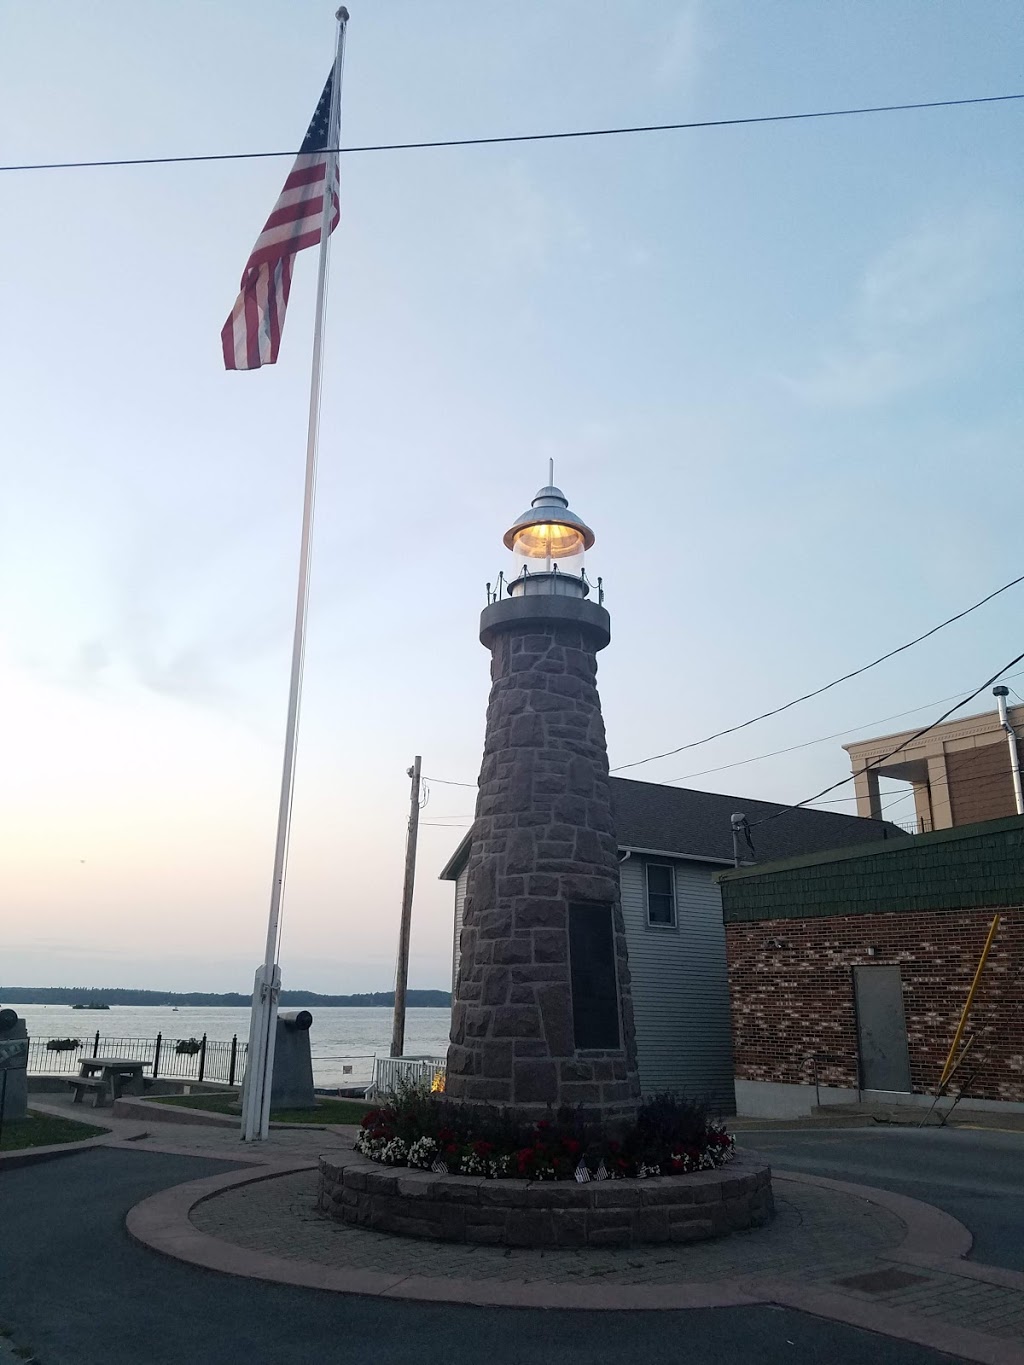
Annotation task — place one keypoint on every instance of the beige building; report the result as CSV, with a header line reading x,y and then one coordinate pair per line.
x,y
961,772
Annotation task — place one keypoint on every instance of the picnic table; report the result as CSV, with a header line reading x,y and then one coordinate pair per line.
x,y
107,1077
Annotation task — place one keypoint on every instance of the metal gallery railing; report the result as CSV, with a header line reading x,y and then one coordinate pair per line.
x,y
189,1059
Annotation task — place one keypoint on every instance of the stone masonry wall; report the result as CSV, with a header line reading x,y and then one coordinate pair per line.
x,y
543,838
791,985
545,1213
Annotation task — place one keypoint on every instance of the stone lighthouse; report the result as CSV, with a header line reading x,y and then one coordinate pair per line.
x,y
542,1013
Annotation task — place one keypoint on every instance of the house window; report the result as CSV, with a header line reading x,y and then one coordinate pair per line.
x,y
661,895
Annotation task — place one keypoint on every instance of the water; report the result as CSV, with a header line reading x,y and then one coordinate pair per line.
x,y
338,1038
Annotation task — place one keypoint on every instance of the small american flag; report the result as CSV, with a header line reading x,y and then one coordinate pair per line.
x,y
582,1173
251,337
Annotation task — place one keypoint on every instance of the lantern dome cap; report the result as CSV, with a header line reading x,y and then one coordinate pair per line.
x,y
550,507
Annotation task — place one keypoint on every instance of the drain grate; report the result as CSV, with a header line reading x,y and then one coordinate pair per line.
x,y
882,1281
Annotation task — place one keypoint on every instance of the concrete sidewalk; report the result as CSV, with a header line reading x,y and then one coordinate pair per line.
x,y
158,1127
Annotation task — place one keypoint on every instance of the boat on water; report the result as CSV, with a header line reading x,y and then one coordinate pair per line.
x,y
93,1005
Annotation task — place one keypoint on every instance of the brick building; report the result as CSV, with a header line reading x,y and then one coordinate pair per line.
x,y
848,970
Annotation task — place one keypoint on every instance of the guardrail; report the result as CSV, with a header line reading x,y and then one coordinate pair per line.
x,y
389,1072
192,1059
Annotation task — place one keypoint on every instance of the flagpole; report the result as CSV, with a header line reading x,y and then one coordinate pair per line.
x,y
263,1022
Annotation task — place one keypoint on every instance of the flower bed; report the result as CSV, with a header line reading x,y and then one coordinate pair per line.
x,y
671,1136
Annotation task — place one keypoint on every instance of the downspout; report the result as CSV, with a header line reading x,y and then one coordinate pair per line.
x,y
1000,693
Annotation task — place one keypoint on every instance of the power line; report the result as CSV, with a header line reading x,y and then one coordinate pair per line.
x,y
838,734
765,715
994,780
789,749
899,747
517,137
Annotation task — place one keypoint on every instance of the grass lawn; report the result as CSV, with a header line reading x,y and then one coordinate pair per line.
x,y
327,1111
42,1130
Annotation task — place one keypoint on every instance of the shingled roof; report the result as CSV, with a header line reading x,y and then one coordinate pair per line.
x,y
683,821
697,825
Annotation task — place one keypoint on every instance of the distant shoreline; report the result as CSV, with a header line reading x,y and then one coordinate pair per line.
x,y
80,995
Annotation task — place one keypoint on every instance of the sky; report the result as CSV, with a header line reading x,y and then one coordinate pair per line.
x,y
777,367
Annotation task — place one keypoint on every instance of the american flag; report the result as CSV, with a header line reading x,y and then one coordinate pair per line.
x,y
251,337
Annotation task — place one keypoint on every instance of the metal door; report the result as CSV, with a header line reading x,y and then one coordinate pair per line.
x,y
881,1029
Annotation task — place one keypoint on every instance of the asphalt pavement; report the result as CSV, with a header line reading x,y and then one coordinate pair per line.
x,y
977,1175
76,1289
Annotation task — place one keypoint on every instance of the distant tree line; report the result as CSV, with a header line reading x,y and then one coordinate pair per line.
x,y
87,995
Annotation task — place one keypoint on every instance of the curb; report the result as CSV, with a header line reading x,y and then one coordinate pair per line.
x,y
934,1239
29,1156
960,1343
131,1108
927,1227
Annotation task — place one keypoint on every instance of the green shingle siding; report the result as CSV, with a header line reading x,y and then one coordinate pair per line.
x,y
957,869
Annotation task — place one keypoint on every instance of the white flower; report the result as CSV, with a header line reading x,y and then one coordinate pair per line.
x,y
395,1153
422,1152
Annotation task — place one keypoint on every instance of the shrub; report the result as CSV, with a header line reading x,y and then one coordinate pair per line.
x,y
415,1127
188,1047
63,1044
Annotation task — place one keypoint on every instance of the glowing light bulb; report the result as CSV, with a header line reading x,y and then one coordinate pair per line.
x,y
548,540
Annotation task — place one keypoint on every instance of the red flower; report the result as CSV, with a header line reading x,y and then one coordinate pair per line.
x,y
483,1149
446,1135
451,1149
571,1145
369,1120
542,1125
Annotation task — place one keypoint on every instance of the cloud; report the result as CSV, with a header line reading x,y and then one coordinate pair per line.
x,y
914,314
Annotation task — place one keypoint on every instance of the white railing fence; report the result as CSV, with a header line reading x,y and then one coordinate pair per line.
x,y
388,1072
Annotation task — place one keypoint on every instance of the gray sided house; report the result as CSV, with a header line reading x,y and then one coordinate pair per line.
x,y
672,841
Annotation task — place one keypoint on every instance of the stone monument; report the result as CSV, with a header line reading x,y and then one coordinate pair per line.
x,y
542,1013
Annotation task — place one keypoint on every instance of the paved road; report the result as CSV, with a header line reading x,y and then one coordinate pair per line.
x,y
977,1175
78,1290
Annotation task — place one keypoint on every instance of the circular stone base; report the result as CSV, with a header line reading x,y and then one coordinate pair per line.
x,y
546,1213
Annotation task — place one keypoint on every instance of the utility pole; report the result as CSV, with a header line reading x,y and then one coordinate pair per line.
x,y
402,974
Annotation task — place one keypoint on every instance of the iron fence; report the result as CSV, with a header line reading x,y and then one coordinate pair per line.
x,y
191,1059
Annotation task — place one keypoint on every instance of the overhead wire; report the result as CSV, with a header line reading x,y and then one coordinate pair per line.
x,y
557,136
807,696
807,743
912,739
995,780
789,749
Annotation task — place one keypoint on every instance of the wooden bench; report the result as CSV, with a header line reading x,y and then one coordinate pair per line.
x,y
98,1088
